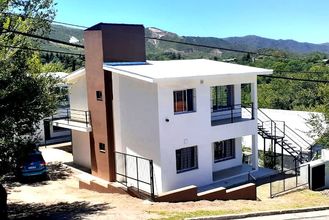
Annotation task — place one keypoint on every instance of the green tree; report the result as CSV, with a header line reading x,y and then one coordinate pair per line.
x,y
26,96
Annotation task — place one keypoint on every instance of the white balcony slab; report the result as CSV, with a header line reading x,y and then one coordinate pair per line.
x,y
73,125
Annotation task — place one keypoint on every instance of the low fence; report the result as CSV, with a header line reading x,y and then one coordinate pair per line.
x,y
289,179
136,172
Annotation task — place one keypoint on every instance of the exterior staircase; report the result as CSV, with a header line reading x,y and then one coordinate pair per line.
x,y
284,136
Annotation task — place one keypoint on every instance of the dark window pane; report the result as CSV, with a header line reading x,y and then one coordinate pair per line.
x,y
224,150
190,100
186,159
222,97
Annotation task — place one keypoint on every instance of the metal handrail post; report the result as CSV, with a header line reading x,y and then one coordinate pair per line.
x,y
68,115
252,111
86,117
152,180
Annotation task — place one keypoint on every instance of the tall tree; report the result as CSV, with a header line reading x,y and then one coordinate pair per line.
x,y
26,96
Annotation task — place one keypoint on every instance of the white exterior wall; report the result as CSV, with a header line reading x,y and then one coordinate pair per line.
x,y
80,140
81,148
78,94
136,121
190,129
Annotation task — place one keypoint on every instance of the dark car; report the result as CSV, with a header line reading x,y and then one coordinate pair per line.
x,y
34,165
3,203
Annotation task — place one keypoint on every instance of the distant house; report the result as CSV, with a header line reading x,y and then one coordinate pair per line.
x,y
48,133
168,124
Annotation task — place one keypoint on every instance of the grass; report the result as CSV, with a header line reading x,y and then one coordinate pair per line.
x,y
300,198
199,213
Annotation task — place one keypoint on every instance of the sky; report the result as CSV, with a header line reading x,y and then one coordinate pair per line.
x,y
301,20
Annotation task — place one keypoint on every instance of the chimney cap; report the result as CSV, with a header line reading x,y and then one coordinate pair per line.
x,y
101,26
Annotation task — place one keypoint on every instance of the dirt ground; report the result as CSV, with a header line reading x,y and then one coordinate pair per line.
x,y
59,197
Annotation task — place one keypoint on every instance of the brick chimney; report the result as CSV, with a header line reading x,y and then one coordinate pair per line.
x,y
107,43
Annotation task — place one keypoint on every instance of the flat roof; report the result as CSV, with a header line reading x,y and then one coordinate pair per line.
x,y
155,71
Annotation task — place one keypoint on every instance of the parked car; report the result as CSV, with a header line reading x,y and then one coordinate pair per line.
x,y
3,203
34,165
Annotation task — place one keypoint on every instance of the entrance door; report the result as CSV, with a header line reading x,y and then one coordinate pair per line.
x,y
318,177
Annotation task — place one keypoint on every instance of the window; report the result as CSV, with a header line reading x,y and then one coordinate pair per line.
x,y
184,101
101,147
224,150
186,159
99,95
222,97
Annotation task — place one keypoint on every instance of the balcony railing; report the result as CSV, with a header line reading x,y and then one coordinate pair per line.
x,y
72,115
232,114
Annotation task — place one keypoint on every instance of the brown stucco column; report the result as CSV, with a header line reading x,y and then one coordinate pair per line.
x,y
107,43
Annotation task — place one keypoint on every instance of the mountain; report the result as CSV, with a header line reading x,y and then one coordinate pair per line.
x,y
253,42
155,48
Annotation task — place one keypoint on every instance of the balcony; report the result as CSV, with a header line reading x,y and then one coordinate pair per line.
x,y
232,114
72,119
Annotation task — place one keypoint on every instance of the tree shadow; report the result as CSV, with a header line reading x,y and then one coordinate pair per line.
x,y
56,171
62,210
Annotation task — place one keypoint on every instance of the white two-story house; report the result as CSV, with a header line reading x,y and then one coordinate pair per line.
x,y
183,116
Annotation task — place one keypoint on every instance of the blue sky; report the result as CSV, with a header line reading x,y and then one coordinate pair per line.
x,y
301,20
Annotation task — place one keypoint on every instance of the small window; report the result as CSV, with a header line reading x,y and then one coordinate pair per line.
x,y
222,97
184,101
99,95
186,159
101,147
224,150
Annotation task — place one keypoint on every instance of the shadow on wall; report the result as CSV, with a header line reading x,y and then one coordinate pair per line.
x,y
62,210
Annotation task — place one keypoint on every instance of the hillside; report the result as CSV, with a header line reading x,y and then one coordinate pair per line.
x,y
156,49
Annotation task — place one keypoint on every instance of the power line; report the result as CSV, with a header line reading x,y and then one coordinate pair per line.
x,y
151,38
296,79
44,38
41,50
52,21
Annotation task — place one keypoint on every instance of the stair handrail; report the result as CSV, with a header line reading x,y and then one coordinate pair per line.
x,y
300,153
290,129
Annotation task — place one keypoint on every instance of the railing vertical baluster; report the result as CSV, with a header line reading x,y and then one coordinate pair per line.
x,y
68,115
86,118
271,187
152,180
232,107
252,111
125,167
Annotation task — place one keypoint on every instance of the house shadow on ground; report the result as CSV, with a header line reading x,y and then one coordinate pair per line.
x,y
56,171
62,210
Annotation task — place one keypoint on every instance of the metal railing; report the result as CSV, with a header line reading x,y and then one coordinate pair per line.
x,y
285,132
289,179
72,115
233,113
135,171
